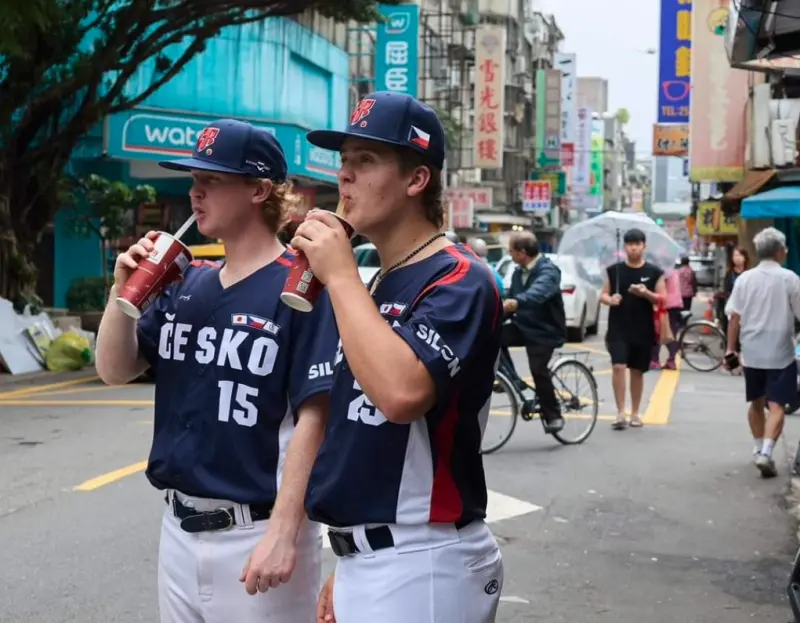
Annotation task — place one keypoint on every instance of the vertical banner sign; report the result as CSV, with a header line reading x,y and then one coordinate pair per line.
x,y
717,127
552,120
490,67
397,49
581,170
536,197
566,64
596,188
675,61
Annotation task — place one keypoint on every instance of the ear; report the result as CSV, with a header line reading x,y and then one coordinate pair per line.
x,y
262,190
418,181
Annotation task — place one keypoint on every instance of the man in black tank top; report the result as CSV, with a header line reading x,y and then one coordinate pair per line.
x,y
632,288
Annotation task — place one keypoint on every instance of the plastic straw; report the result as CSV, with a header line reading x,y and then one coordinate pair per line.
x,y
185,227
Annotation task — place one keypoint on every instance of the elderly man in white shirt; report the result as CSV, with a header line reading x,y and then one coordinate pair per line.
x,y
762,308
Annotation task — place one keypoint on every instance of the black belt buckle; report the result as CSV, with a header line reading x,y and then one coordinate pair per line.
x,y
341,545
212,521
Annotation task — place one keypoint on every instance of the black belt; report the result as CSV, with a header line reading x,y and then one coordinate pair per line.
x,y
344,544
194,521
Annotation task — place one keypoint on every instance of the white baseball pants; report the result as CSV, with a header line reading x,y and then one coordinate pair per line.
x,y
198,574
456,577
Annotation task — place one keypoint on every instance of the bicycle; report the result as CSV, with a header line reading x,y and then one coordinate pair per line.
x,y
509,382
700,336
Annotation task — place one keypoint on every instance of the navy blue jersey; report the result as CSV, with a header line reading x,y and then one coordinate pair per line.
x,y
231,365
371,471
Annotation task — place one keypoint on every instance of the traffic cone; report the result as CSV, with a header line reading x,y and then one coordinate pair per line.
x,y
708,314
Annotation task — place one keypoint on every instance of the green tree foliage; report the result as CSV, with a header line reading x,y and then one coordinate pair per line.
x,y
104,209
66,64
624,116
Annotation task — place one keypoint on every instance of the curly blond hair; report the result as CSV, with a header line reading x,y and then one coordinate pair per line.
x,y
280,204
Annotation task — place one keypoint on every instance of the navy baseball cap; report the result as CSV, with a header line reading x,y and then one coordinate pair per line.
x,y
237,147
394,119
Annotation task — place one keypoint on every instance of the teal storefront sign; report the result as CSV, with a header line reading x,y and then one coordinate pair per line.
x,y
397,49
150,135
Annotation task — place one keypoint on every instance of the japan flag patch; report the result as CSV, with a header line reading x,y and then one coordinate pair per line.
x,y
419,138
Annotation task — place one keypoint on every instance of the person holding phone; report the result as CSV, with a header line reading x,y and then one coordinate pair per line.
x,y
631,289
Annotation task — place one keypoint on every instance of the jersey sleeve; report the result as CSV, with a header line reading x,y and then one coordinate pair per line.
x,y
452,324
315,339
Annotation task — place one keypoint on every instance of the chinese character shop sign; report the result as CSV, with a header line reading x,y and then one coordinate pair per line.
x,y
490,65
536,197
675,52
397,49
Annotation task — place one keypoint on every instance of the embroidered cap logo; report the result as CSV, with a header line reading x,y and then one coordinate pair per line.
x,y
361,112
206,138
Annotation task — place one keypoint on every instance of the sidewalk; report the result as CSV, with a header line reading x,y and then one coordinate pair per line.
x,y
722,394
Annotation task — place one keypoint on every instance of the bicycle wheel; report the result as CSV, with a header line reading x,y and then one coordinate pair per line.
x,y
579,406
502,417
702,345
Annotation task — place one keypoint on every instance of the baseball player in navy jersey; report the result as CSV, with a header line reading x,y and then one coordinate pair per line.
x,y
238,375
399,477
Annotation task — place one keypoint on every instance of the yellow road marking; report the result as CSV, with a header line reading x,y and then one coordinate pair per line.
x,y
660,405
590,349
76,403
79,390
105,479
31,391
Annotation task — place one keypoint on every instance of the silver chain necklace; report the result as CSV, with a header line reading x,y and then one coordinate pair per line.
x,y
382,274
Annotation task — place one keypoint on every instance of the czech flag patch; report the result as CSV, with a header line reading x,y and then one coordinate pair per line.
x,y
419,138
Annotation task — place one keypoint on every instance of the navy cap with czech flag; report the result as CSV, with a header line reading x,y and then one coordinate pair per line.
x,y
393,119
235,147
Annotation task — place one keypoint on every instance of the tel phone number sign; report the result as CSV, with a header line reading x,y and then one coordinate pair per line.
x,y
675,61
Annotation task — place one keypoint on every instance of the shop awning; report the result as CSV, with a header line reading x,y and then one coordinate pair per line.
x,y
752,182
501,218
783,202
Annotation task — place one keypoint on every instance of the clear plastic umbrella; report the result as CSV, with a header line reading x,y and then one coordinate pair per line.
x,y
599,239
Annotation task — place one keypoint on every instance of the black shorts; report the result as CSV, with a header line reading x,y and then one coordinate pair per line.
x,y
779,386
634,356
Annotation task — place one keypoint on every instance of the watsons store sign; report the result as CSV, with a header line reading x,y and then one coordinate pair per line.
x,y
145,135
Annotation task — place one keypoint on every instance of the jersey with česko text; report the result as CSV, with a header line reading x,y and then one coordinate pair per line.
x,y
232,365
371,471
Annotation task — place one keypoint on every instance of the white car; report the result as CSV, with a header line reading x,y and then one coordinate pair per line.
x,y
580,288
369,263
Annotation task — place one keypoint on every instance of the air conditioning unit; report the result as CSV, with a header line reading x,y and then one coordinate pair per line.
x,y
759,127
783,142
773,134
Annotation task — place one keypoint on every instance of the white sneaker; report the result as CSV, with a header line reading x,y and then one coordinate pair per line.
x,y
766,466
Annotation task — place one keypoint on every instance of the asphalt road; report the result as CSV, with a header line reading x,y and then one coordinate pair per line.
x,y
667,523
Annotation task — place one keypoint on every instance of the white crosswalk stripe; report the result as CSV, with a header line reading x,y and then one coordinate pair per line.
x,y
499,507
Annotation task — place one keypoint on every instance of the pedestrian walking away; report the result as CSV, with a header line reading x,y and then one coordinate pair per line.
x,y
399,477
537,320
241,398
688,282
631,289
762,308
674,305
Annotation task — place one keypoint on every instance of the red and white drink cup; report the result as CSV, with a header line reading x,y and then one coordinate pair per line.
x,y
165,265
302,288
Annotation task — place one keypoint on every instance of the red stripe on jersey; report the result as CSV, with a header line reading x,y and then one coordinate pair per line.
x,y
454,276
446,503
498,307
284,261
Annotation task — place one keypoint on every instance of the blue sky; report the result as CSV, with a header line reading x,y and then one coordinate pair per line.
x,y
610,39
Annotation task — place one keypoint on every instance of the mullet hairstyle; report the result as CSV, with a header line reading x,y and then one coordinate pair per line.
x,y
432,200
280,204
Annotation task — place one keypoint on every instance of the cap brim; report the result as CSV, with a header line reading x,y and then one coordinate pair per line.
x,y
333,140
195,164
